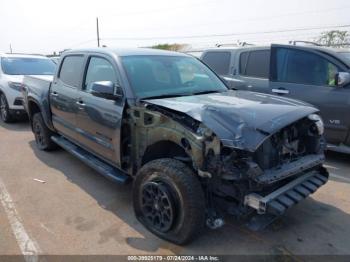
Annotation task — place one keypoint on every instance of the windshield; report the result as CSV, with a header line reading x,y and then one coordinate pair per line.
x,y
152,76
27,66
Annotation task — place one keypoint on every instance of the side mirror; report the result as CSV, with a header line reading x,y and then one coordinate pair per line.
x,y
106,89
342,78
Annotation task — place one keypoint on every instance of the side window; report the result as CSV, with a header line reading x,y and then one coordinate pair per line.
x,y
243,58
219,62
99,69
302,67
71,69
257,63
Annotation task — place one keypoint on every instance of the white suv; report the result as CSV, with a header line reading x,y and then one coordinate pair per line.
x,y
13,68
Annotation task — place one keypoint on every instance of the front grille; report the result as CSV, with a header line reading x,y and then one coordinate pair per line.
x,y
287,145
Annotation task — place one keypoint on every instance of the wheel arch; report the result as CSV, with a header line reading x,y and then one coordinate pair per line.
x,y
33,107
165,149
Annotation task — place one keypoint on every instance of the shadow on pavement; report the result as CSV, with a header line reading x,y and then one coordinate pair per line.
x,y
338,165
338,157
311,227
18,126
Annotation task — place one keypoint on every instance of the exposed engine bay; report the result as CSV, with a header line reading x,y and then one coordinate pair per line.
x,y
243,178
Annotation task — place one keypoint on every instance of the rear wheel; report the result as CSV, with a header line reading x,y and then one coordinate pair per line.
x,y
4,109
42,133
169,200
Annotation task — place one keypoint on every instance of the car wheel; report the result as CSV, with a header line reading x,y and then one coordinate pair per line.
x,y
169,200
4,109
42,133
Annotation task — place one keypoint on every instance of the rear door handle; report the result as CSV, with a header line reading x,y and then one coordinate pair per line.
x,y
281,91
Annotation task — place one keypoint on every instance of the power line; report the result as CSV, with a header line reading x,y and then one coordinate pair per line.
x,y
223,35
192,25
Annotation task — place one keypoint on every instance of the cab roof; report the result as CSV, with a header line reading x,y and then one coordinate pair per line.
x,y
126,52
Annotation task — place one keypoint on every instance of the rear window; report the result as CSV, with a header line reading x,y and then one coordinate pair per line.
x,y
255,63
27,66
71,70
219,62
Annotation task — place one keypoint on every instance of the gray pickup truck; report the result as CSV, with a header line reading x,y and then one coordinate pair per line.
x,y
317,75
194,149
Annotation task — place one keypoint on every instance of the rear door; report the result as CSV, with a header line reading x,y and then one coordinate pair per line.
x,y
309,75
64,94
99,119
252,67
220,62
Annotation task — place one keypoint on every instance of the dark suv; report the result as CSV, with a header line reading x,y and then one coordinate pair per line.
x,y
317,75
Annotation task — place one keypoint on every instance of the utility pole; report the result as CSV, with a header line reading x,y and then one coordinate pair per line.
x,y
10,49
98,32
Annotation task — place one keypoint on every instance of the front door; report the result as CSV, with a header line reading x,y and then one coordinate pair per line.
x,y
309,75
99,119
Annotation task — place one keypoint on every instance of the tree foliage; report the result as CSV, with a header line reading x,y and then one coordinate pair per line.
x,y
171,47
334,38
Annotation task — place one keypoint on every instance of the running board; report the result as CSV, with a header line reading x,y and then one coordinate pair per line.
x,y
100,166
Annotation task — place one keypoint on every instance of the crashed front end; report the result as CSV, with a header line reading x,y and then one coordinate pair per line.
x,y
256,154
285,169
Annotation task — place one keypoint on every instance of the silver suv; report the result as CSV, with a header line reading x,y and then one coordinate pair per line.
x,y
13,68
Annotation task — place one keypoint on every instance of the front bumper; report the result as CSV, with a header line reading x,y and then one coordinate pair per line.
x,y
277,202
18,112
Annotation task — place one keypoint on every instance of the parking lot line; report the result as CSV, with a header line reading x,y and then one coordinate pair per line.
x,y
28,246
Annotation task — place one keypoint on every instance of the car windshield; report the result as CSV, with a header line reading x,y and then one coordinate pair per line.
x,y
27,66
156,76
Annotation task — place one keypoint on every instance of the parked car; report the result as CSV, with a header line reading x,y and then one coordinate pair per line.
x,y
13,68
317,75
194,149
55,59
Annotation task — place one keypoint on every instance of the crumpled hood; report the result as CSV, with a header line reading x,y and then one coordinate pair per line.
x,y
241,119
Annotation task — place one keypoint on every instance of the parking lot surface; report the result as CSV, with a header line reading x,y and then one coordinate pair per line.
x,y
51,203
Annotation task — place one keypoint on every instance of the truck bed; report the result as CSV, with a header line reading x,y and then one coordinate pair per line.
x,y
37,88
37,81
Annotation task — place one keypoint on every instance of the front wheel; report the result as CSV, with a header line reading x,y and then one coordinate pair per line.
x,y
42,133
4,109
169,200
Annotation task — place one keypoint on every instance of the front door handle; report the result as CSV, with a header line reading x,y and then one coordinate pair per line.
x,y
54,93
280,91
80,103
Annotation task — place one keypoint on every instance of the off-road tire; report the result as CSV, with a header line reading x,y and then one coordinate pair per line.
x,y
42,133
185,193
4,110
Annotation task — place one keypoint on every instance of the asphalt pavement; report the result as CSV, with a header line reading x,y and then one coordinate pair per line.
x,y
51,203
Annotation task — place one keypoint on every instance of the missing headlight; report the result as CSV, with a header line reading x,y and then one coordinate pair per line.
x,y
318,123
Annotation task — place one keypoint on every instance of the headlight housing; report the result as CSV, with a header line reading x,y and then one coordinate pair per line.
x,y
16,86
318,123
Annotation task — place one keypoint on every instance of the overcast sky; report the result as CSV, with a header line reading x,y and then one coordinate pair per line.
x,y
44,26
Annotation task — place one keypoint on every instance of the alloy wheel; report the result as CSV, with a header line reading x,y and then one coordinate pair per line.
x,y
3,107
158,205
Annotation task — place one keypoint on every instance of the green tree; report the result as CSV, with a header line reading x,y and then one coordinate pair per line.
x,y
334,38
171,47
